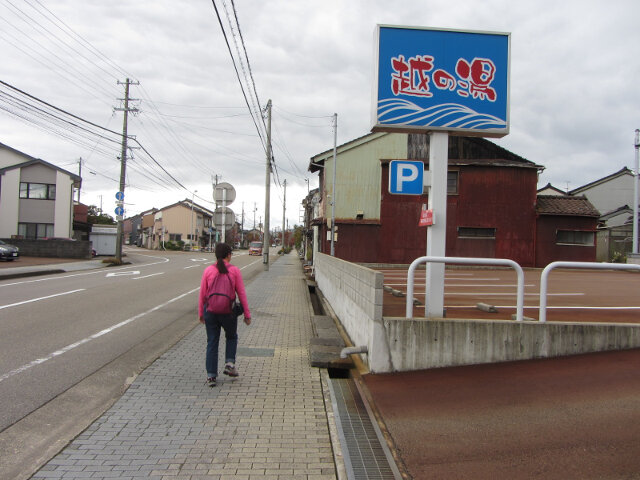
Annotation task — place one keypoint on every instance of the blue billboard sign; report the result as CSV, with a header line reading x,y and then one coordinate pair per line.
x,y
446,80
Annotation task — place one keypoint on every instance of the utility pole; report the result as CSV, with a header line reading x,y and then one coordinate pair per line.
x,y
333,200
284,211
123,159
80,175
214,181
634,247
266,241
242,227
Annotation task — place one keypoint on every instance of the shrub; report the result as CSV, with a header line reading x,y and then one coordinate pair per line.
x,y
618,257
173,245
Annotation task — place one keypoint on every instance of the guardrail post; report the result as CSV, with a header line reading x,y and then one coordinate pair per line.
x,y
467,261
544,277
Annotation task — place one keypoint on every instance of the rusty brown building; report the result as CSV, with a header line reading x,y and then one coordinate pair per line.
x,y
492,205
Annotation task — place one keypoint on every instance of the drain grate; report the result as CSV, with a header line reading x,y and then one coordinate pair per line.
x,y
365,456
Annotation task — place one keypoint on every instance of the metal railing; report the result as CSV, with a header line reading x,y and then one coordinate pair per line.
x,y
588,265
467,261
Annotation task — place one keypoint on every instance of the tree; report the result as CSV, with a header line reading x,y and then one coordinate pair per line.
x,y
298,235
94,216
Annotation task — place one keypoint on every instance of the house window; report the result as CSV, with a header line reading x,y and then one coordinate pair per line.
x,y
35,231
40,191
575,237
452,184
473,232
175,237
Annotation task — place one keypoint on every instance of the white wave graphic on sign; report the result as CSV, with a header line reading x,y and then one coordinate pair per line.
x,y
447,115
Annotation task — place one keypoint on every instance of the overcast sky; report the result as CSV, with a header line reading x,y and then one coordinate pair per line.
x,y
574,88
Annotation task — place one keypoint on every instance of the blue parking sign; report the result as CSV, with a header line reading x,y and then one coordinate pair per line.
x,y
406,177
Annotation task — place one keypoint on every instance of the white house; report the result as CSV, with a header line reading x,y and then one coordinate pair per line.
x,y
608,194
36,197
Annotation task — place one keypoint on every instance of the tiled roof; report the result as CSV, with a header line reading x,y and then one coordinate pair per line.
x,y
557,205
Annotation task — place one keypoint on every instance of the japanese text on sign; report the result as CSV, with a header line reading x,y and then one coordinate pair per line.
x,y
413,77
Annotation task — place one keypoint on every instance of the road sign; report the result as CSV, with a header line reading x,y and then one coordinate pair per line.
x,y
406,177
120,196
223,217
426,218
119,211
224,192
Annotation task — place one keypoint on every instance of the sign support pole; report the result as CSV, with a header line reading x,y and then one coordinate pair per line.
x,y
635,195
436,234
224,216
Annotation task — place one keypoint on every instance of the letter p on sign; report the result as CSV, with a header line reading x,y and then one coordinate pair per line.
x,y
406,177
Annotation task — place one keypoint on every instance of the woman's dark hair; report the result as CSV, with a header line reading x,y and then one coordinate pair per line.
x,y
222,251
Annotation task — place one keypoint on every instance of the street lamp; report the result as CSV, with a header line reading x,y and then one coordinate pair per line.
x,y
191,233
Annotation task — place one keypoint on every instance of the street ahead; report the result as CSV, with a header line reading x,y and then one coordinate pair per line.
x,y
59,329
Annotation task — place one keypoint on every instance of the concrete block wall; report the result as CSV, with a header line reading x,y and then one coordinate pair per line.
x,y
355,295
52,248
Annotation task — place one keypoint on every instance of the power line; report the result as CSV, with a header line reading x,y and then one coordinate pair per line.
x,y
79,39
58,109
224,33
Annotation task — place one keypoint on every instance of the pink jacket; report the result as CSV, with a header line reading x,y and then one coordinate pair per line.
x,y
209,274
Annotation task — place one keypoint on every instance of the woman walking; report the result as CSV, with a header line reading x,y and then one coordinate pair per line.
x,y
219,281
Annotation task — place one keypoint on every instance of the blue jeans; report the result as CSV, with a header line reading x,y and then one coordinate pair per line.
x,y
214,322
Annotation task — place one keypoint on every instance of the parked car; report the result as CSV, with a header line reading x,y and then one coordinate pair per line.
x,y
8,252
255,248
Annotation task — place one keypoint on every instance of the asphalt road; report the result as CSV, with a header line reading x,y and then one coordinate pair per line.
x,y
71,342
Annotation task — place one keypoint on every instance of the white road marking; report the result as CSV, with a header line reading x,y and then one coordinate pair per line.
x,y
41,298
455,294
576,307
92,337
93,272
465,285
122,274
147,276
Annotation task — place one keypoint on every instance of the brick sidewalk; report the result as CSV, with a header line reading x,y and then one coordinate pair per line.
x,y
270,423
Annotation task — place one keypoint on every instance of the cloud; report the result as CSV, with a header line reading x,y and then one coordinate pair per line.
x,y
573,94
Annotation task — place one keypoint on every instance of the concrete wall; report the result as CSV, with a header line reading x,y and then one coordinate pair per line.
x,y
399,344
9,202
419,344
52,248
